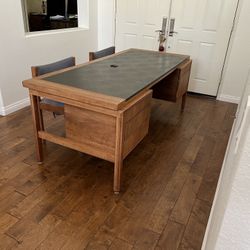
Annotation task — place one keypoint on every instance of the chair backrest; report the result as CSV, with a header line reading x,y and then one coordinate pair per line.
x,y
101,53
47,68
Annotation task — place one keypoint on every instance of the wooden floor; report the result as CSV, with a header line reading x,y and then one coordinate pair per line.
x,y
169,182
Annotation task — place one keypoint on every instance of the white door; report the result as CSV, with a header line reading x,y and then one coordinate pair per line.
x,y
137,21
203,30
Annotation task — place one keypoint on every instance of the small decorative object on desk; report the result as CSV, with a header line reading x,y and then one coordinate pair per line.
x,y
162,34
162,40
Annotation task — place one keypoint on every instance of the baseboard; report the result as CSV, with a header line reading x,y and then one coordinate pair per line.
x,y
14,107
229,98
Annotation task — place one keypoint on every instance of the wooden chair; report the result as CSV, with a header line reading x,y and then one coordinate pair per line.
x,y
46,104
175,86
101,53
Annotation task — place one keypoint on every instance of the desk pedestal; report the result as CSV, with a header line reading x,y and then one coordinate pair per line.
x,y
106,134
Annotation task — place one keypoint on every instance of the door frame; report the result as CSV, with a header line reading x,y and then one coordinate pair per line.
x,y
229,44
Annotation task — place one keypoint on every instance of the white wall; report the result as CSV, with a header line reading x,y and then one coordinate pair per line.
x,y
106,24
238,63
19,52
1,103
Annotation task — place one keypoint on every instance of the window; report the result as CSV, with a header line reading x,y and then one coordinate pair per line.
x,y
42,15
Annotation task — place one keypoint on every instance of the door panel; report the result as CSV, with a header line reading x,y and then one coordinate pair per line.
x,y
130,40
214,10
188,10
203,28
137,22
205,56
131,11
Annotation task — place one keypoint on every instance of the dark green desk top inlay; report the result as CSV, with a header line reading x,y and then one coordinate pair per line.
x,y
123,75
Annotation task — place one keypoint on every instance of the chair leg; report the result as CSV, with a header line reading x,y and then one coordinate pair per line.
x,y
183,102
41,120
40,114
41,123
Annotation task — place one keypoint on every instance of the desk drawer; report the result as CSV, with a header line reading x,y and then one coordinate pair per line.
x,y
98,131
136,122
91,128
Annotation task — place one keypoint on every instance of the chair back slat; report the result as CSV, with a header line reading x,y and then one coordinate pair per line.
x,y
47,68
101,53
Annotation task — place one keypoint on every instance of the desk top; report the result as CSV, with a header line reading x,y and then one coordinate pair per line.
x,y
122,75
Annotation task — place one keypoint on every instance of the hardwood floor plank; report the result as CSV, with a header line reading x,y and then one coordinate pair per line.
x,y
32,223
10,170
25,226
147,192
120,244
52,242
37,233
101,240
27,173
159,217
10,201
196,226
78,240
7,242
82,224
30,185
68,203
203,156
56,177
184,204
147,240
171,236
212,171
6,221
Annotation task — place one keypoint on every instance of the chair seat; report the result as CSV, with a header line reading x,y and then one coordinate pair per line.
x,y
53,106
52,102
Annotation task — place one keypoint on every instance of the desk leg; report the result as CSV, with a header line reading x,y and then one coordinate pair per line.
x,y
183,102
118,153
40,114
37,127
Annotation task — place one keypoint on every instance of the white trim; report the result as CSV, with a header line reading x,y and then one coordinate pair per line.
x,y
229,98
14,107
54,32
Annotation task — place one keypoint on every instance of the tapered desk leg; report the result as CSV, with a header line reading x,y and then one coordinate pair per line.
x,y
118,153
37,127
117,176
183,102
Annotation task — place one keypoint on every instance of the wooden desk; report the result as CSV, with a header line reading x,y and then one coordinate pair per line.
x,y
106,103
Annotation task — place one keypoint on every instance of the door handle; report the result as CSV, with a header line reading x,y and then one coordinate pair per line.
x,y
164,26
171,33
171,28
